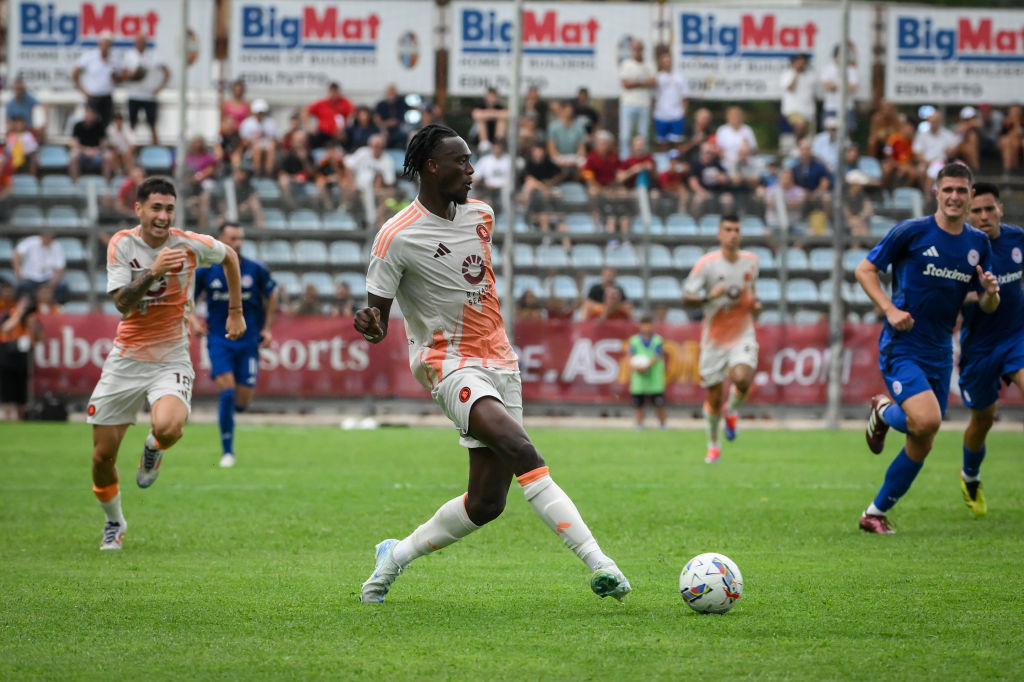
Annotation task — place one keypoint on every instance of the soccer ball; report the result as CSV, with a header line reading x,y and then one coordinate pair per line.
x,y
711,583
639,362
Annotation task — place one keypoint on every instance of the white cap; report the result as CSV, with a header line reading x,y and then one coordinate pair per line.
x,y
968,112
857,177
260,106
831,122
925,111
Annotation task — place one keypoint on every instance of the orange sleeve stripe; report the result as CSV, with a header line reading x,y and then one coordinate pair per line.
x,y
112,246
388,228
705,259
107,492
385,240
201,238
531,476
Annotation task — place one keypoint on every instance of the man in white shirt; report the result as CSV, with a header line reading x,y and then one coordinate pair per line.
x,y
933,144
94,76
147,76
799,104
39,260
830,82
670,96
733,134
825,144
493,173
374,174
259,135
638,80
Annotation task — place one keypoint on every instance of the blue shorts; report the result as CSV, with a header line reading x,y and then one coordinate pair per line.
x,y
980,372
668,131
241,361
906,376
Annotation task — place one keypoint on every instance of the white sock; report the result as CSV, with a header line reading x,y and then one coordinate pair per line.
x,y
449,524
969,479
557,510
735,400
875,511
112,508
711,426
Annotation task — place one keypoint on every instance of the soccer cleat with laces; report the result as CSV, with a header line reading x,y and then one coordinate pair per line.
x,y
712,455
608,581
973,496
869,523
877,428
149,466
113,535
385,570
730,426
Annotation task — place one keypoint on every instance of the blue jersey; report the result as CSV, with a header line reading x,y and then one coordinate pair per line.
x,y
256,285
932,271
981,332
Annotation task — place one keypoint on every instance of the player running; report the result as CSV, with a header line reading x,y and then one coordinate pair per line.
x,y
935,261
722,282
435,258
991,345
150,271
234,363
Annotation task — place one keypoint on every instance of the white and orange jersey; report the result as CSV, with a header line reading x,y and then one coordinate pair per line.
x,y
727,319
440,272
155,331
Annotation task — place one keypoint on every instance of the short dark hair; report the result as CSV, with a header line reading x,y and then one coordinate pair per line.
x,y
225,225
986,188
728,218
423,145
955,170
155,184
647,318
334,85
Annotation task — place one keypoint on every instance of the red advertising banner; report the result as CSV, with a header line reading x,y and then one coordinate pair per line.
x,y
577,362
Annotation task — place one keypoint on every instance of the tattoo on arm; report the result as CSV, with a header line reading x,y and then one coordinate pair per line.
x,y
129,295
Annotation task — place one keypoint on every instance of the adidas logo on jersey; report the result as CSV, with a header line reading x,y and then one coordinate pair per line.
x,y
931,252
135,265
442,250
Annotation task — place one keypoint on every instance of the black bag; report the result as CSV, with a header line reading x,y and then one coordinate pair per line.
x,y
47,408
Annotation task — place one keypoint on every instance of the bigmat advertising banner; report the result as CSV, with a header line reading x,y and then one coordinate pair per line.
x,y
955,56
566,45
302,45
46,37
323,357
735,53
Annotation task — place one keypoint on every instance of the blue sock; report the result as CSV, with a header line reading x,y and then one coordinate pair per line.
x,y
972,461
898,477
227,420
895,417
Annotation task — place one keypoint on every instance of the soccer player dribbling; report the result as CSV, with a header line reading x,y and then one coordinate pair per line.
x,y
435,258
936,260
991,344
150,275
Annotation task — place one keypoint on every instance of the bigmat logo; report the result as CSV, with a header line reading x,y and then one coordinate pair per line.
x,y
958,39
265,28
43,26
544,33
765,36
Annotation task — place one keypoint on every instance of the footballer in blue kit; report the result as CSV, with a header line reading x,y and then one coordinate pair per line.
x,y
234,365
936,261
991,344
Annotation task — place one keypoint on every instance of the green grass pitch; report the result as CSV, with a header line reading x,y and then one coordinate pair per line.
x,y
253,573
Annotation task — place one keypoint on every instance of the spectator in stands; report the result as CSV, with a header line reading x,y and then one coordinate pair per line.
x,y
534,122
529,307
333,178
121,143
39,260
567,139
637,77
799,101
229,147
884,122
901,166
607,299
825,145
19,331
702,132
560,309
733,135
670,95
200,170
247,199
21,147
344,304
95,75
583,110
710,183
23,104
813,175
1011,142
675,180
638,167
389,117
309,304
87,153
934,144
294,126
333,115
793,196
6,173
831,81
236,107
541,176
146,76
296,169
746,178
608,197
374,174
991,128
490,121
124,203
492,174
361,129
259,138
857,207
969,132
46,304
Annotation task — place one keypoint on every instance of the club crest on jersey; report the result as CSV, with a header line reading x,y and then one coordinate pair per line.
x,y
247,281
973,257
1016,255
473,269
92,410
464,394
481,231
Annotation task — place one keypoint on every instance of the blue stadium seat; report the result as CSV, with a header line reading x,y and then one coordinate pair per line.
x,y
676,316
768,290
765,256
72,248
659,256
24,186
398,156
356,282
852,258
27,215
309,252
632,285
904,198
57,187
287,281
709,223
680,223
801,291
99,280
751,224
657,227
562,286
156,159
665,288
250,250
6,248
587,256
769,317
579,223
277,252
880,225
77,281
854,293
53,158
321,281
524,282
345,253
274,219
687,256
808,317
551,256
574,194
304,219
267,189
76,308
821,258
825,291
408,188
62,215
621,256
339,220
523,256
796,259
870,166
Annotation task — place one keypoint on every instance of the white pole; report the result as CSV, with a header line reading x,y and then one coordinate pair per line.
x,y
180,171
507,194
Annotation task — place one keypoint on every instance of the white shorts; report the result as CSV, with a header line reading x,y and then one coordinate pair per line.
x,y
459,390
126,384
715,362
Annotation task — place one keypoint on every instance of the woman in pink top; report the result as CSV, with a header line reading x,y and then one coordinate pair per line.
x,y
236,106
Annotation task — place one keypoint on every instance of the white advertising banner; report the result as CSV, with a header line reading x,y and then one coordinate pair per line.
x,y
955,56
735,53
301,46
566,46
48,36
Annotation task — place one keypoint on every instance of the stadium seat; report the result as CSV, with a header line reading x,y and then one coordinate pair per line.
x,y
852,258
768,290
57,187
27,215
251,250
339,220
632,285
398,156
765,256
665,288
156,159
821,258
24,186
587,256
495,256
267,189
687,256
277,252
288,282
62,215
906,199
562,286
53,158
523,256
345,253
825,291
621,256
6,249
680,223
408,188
752,224
579,223
551,256
808,317
356,282
676,316
99,281
796,259
274,219
854,293
870,166
322,282
574,195
709,223
524,282
769,317
880,225
77,281
310,252
658,256
99,185
109,308
304,219
656,227
801,291
72,248
76,308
